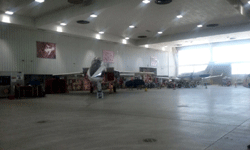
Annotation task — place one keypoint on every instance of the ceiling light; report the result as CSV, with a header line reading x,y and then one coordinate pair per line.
x,y
131,26
93,15
6,19
179,16
248,2
127,38
63,24
146,46
146,1
39,1
200,26
101,32
9,12
161,2
124,41
59,29
98,36
160,32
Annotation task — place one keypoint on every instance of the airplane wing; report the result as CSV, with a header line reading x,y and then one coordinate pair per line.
x,y
68,74
132,74
213,76
73,73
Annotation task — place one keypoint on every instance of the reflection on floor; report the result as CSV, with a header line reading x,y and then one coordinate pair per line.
x,y
216,118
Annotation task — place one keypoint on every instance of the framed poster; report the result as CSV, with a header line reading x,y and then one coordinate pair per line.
x,y
46,50
108,56
154,61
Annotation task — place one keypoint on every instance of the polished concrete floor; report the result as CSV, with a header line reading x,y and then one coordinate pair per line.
x,y
217,118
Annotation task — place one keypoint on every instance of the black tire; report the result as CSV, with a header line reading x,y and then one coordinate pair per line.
x,y
91,89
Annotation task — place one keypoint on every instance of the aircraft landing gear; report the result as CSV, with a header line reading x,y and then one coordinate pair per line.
x,y
99,94
99,90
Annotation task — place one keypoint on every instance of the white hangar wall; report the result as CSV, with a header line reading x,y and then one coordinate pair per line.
x,y
18,53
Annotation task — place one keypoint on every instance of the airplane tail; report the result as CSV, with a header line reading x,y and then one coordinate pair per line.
x,y
209,68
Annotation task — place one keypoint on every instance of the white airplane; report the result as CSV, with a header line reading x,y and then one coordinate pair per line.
x,y
49,50
198,76
96,74
195,76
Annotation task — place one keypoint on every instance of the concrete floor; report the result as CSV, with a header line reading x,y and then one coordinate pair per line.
x,y
217,118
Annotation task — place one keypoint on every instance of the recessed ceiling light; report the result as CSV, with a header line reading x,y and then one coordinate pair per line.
x,y
146,46
59,29
146,1
179,16
248,2
75,2
160,32
98,36
6,19
132,26
101,32
200,26
93,15
127,38
39,1
161,2
124,41
142,36
213,25
63,24
9,12
82,22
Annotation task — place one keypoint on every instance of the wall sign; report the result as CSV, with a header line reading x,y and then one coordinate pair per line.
x,y
108,56
46,50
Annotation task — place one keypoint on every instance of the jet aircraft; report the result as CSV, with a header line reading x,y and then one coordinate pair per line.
x,y
96,74
195,77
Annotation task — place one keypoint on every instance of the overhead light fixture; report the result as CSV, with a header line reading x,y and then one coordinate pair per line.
x,y
63,24
132,26
101,32
146,46
200,26
124,41
98,36
59,29
93,15
179,16
248,2
127,38
146,1
6,19
9,12
160,32
39,1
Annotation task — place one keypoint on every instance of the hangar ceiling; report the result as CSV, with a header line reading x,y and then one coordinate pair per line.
x,y
115,16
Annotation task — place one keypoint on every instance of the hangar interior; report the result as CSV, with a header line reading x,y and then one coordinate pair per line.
x,y
43,38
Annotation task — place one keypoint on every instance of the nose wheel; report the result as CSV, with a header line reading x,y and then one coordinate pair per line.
x,y
99,94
